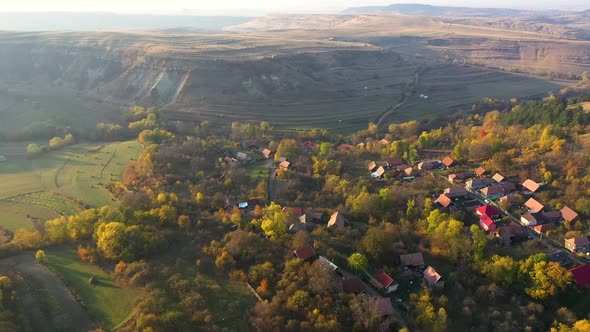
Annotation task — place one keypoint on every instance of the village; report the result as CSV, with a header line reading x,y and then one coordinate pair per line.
x,y
493,201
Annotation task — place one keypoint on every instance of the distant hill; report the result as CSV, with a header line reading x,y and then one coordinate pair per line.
x,y
53,21
428,10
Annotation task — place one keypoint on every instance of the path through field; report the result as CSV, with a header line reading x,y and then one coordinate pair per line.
x,y
47,302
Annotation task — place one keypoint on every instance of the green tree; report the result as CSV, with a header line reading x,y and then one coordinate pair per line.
x,y
478,244
358,262
375,243
33,149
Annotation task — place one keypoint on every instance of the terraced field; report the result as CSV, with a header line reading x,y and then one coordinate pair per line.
x,y
60,182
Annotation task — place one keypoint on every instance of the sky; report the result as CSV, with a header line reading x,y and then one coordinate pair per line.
x,y
259,7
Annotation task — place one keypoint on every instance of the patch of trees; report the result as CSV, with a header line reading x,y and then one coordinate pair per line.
x,y
553,111
55,143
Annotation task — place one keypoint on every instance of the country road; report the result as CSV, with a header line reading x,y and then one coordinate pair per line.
x,y
388,113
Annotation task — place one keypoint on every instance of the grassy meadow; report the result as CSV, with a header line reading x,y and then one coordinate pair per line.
x,y
105,301
59,182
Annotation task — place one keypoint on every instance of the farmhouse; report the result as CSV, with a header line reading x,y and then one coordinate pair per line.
x,y
284,165
531,186
456,192
498,190
476,184
386,282
581,275
378,173
486,223
480,171
449,162
533,205
530,219
267,154
412,260
431,165
372,166
578,245
352,286
336,220
432,278
489,211
304,253
544,228
444,200
498,178
568,214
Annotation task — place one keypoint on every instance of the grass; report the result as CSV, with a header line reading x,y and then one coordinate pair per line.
x,y
60,182
106,301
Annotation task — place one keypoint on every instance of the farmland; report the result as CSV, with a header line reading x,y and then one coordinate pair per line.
x,y
60,182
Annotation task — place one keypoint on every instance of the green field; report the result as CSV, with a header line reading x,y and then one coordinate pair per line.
x,y
106,302
60,182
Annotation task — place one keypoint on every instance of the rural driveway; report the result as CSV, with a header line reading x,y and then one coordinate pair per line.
x,y
48,303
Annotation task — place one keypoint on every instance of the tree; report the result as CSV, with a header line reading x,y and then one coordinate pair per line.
x,y
358,262
375,242
478,244
274,221
40,256
111,239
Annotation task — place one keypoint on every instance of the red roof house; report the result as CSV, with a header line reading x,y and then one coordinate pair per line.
x,y
304,253
489,211
581,275
487,223
480,171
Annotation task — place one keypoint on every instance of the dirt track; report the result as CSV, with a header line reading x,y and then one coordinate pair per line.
x,y
48,304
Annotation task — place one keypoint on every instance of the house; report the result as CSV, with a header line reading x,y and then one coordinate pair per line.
x,y
432,278
281,159
471,205
457,177
498,178
310,217
456,192
372,166
561,257
544,228
267,154
476,184
510,199
352,286
309,145
408,171
568,214
581,275
384,307
486,223
444,200
412,260
253,203
394,162
294,228
386,282
378,173
530,219
480,171
531,186
284,165
449,162
533,205
489,211
336,220
304,253
509,234
345,147
429,166
498,190
294,211
241,156
578,245
551,217
333,267
361,145
384,141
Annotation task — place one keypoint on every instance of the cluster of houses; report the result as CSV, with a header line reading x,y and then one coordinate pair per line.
x,y
350,284
398,168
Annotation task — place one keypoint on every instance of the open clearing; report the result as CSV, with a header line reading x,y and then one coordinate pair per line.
x,y
106,302
60,182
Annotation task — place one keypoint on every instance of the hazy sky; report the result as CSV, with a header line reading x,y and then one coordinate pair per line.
x,y
235,7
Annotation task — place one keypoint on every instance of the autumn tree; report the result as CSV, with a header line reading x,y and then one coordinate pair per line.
x,y
358,262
